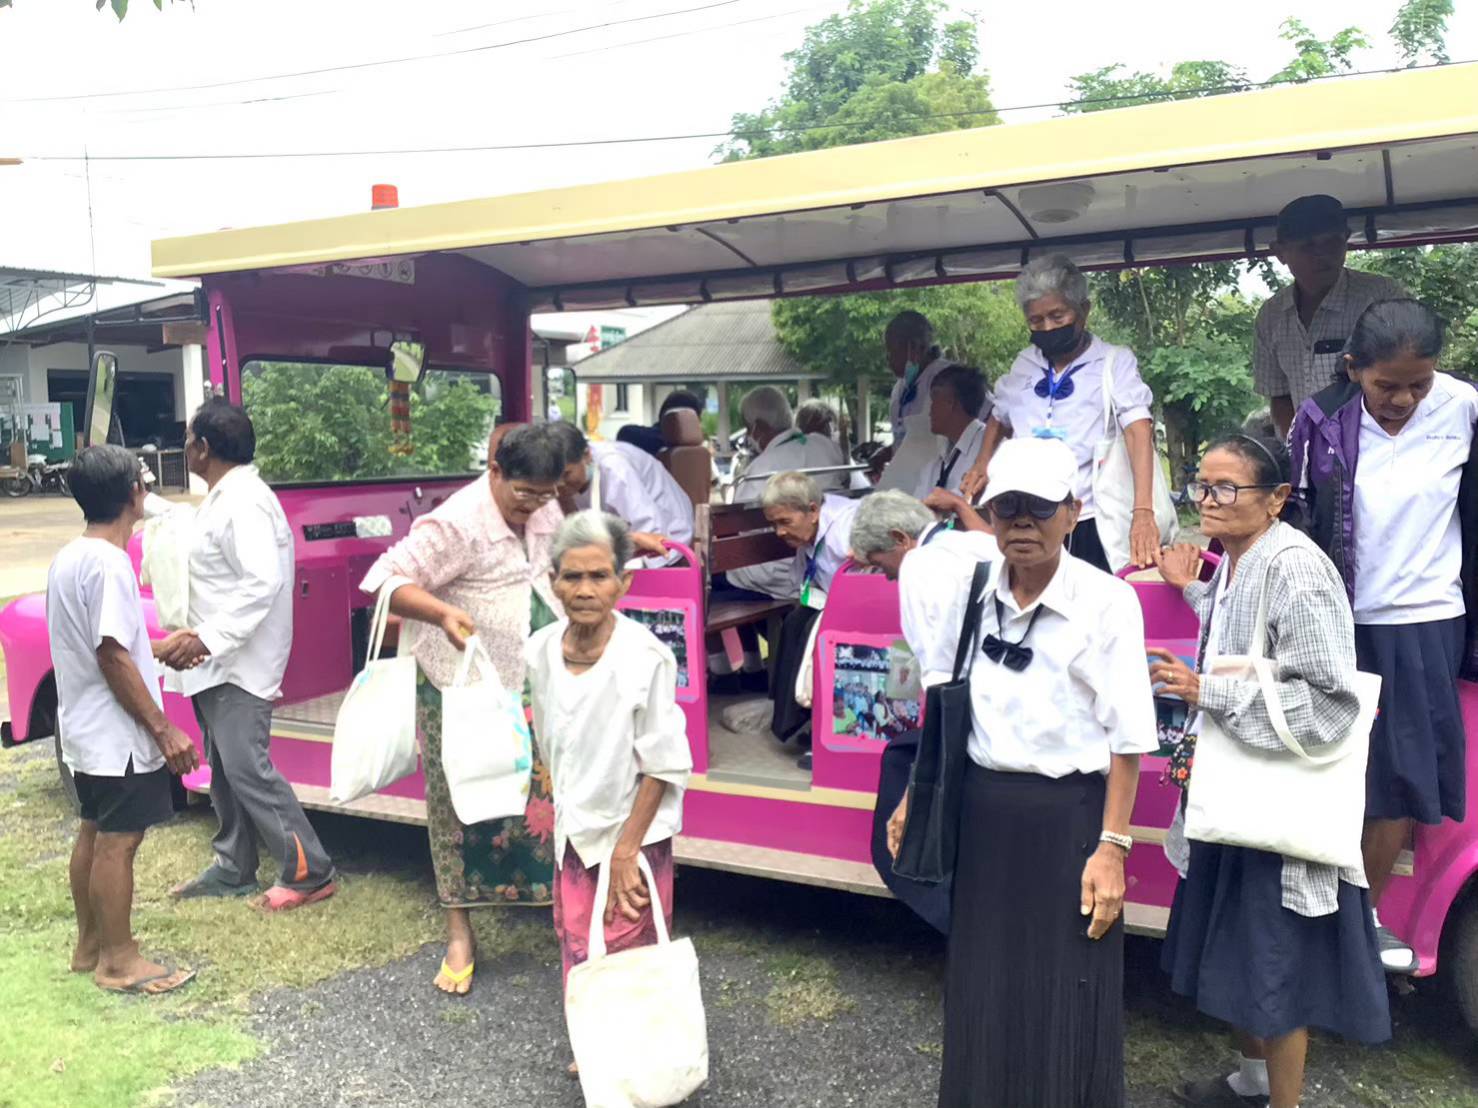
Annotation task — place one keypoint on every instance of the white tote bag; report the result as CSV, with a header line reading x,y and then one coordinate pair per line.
x,y
1296,803
1113,483
636,1017
375,731
487,751
166,565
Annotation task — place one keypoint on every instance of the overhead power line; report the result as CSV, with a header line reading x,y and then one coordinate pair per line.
x,y
1181,94
351,66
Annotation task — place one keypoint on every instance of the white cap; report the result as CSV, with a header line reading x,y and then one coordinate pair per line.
x,y
1038,467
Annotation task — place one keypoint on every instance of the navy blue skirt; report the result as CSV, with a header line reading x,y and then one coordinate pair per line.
x,y
1417,767
1242,957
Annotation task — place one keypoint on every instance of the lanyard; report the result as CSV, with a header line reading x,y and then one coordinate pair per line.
x,y
812,568
1056,384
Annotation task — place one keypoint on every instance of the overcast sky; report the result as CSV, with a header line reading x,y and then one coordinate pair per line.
x,y
685,71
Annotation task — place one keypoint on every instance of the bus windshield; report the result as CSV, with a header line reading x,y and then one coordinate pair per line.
x,y
320,422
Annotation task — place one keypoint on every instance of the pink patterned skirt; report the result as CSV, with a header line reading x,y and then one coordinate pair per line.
x,y
574,902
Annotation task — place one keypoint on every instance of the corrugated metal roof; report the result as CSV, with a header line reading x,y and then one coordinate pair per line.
x,y
734,341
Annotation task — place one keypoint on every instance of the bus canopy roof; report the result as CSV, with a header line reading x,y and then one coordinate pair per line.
x,y
1188,180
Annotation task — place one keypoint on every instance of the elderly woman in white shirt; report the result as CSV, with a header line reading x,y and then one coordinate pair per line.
x,y
1055,390
613,736
819,529
1061,711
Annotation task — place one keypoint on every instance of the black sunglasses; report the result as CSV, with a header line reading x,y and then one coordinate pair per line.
x,y
1014,505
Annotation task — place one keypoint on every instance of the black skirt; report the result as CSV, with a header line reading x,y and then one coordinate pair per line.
x,y
1418,749
1033,1008
1085,544
788,654
1243,958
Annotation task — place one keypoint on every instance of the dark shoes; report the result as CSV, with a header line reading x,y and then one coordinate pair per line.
x,y
1216,1093
1396,955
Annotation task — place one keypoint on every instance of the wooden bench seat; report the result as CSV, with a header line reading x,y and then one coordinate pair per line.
x,y
727,614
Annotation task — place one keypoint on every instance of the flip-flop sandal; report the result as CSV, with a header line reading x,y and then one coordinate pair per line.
x,y
141,986
456,977
281,899
210,884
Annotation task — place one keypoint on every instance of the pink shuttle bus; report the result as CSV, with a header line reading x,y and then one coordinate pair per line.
x,y
304,312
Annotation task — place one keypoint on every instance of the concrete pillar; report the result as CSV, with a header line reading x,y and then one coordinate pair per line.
x,y
724,428
802,391
192,358
864,413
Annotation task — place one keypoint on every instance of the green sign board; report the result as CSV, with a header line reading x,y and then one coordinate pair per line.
x,y
610,336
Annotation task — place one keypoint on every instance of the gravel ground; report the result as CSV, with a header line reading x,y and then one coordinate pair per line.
x,y
814,998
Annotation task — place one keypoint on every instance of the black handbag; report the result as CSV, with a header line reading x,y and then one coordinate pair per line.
x,y
932,832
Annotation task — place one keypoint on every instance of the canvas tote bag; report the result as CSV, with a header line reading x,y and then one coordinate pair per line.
x,y
1113,483
375,730
931,834
487,750
1302,804
636,1018
168,539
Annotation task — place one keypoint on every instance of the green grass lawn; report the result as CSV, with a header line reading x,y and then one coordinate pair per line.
x,y
64,1042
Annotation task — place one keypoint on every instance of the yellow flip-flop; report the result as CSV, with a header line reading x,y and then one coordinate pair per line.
x,y
456,977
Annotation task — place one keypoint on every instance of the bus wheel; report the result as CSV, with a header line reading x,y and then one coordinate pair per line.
x,y
69,786
1462,961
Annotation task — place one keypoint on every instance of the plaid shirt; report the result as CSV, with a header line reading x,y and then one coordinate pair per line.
x,y
1289,359
1311,640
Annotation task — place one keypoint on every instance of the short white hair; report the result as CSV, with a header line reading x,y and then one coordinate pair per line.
x,y
593,528
791,490
766,405
816,412
1054,273
880,515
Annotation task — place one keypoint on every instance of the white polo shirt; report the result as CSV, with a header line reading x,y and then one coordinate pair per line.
x,y
954,461
1078,416
1408,539
637,487
92,595
1086,694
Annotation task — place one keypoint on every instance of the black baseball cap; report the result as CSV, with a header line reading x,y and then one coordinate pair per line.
x,y
1309,216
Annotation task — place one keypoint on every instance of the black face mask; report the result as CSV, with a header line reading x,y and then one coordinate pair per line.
x,y
1058,341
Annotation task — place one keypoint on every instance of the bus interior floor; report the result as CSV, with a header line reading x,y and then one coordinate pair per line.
x,y
751,755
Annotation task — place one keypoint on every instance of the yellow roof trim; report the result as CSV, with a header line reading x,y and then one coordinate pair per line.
x,y
1329,115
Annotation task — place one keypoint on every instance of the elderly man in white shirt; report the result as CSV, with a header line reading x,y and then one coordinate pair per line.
x,y
626,481
783,447
959,396
230,661
819,529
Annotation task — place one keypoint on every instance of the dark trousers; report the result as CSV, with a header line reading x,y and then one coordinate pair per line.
x,y
1084,543
251,798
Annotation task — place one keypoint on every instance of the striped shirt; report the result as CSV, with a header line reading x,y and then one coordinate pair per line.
x,y
1311,640
1289,359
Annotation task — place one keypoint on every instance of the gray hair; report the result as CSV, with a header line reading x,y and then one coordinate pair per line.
x,y
883,513
1053,273
766,405
593,528
791,490
815,415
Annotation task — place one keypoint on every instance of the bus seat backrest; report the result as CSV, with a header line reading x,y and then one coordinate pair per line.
x,y
685,454
741,536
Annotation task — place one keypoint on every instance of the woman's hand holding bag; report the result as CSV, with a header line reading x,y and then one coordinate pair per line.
x,y
486,748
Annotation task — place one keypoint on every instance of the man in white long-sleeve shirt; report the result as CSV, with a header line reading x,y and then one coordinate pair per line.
x,y
626,481
230,661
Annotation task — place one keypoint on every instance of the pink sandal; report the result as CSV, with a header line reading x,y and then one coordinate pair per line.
x,y
279,898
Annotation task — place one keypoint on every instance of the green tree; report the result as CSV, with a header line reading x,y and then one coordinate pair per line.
x,y
1420,31
883,69
332,423
1445,278
1316,57
120,7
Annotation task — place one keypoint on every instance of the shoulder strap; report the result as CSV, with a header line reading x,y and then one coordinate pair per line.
x,y
965,651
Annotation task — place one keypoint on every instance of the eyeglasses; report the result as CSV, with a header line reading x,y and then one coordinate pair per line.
x,y
1014,505
1223,494
533,496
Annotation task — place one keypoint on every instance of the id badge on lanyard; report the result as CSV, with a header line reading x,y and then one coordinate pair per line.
x,y
1054,386
812,598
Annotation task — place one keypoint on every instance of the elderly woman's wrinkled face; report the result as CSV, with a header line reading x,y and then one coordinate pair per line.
x,y
1230,476
1394,388
1024,536
588,584
1051,312
517,497
795,526
890,561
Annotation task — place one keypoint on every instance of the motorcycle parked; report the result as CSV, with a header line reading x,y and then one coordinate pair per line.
x,y
39,476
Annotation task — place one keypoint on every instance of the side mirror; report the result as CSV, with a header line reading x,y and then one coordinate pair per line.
x,y
560,391
102,390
